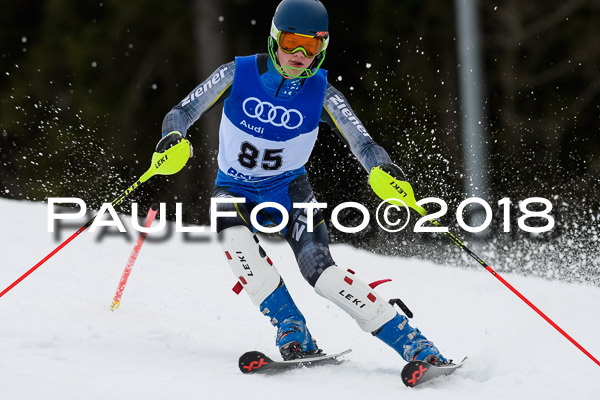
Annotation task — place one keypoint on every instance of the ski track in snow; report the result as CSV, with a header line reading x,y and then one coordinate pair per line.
x,y
180,329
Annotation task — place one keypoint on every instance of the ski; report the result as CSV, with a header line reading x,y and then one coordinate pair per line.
x,y
255,362
416,372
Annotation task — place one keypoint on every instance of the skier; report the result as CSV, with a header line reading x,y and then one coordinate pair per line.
x,y
273,104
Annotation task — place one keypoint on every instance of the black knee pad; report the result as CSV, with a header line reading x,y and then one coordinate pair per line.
x,y
242,214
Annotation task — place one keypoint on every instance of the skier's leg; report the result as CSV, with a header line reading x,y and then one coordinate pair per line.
x,y
375,315
261,280
310,248
372,313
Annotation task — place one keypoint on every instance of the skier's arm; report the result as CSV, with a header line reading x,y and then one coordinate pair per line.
x,y
338,114
199,101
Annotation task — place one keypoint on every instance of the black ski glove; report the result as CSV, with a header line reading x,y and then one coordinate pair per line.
x,y
170,140
394,171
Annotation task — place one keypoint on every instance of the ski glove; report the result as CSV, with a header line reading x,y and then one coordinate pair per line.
x,y
170,140
393,170
389,183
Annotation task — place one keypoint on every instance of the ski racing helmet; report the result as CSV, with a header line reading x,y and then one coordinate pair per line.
x,y
299,25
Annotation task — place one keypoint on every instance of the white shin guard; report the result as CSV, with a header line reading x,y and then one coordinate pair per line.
x,y
249,263
355,297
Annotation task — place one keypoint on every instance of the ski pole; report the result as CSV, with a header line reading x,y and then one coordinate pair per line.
x,y
166,163
132,257
389,189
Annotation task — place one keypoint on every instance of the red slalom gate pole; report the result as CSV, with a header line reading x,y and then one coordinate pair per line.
x,y
132,257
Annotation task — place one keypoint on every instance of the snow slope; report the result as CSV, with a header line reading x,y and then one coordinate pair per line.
x,y
180,329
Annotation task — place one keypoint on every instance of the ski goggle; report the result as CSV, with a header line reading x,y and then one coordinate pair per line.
x,y
292,42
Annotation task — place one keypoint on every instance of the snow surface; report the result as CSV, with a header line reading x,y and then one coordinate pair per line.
x,y
180,329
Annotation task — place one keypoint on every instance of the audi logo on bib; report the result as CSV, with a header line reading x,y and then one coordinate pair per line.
x,y
272,114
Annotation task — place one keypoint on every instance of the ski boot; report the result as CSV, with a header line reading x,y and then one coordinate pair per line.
x,y
293,338
409,342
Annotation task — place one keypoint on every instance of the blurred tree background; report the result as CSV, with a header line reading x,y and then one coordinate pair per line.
x,y
84,87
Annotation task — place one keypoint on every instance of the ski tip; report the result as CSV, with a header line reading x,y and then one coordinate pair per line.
x,y
253,361
416,372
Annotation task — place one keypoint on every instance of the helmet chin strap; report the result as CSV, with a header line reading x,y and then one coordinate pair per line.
x,y
316,60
